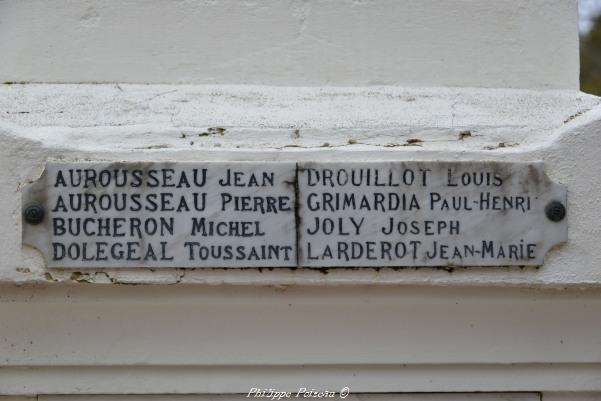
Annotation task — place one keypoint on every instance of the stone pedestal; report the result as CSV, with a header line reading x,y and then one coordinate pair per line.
x,y
298,84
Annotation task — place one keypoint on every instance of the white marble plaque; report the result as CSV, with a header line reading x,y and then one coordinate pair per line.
x,y
268,214
214,214
427,214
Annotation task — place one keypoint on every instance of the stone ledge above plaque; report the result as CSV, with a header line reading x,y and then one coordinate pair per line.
x,y
286,214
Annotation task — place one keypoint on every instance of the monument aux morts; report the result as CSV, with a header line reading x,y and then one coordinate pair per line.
x,y
384,200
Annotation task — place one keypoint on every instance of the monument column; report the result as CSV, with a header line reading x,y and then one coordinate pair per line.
x,y
366,200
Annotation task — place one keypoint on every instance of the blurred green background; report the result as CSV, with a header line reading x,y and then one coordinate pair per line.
x,y
590,59
590,46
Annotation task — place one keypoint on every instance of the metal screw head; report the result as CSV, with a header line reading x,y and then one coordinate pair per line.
x,y
34,214
555,211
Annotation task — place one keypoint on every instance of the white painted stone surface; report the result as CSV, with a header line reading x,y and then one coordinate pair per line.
x,y
188,119
189,339
438,336
214,331
479,43
103,122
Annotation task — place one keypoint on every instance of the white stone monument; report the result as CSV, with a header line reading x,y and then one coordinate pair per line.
x,y
365,200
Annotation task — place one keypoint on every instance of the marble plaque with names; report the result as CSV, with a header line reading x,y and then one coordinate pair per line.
x,y
172,214
286,214
428,214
